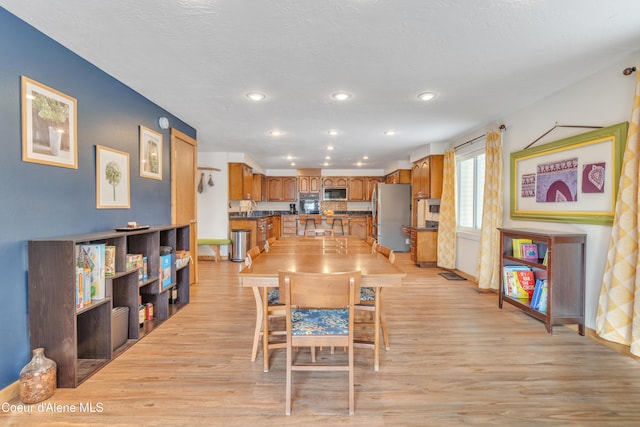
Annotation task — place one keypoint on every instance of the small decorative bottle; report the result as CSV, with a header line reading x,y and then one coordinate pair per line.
x,y
38,378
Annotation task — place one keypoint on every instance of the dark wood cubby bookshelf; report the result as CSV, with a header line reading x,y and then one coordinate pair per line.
x,y
79,340
564,271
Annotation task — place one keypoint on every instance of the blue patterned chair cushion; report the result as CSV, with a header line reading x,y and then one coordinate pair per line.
x,y
273,297
367,294
311,321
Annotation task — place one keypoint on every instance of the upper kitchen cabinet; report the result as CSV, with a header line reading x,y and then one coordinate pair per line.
x,y
400,176
361,187
357,189
335,181
426,179
259,192
371,184
282,188
309,184
240,181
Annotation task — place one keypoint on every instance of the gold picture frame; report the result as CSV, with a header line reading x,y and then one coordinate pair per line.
x,y
112,178
572,180
150,154
49,125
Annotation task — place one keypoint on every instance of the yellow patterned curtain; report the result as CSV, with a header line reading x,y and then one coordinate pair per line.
x,y
618,317
447,223
488,267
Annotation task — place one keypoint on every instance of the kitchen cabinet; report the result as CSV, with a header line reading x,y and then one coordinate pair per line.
x,y
423,246
357,190
426,177
289,225
371,184
240,181
309,184
358,226
282,189
259,192
400,176
335,181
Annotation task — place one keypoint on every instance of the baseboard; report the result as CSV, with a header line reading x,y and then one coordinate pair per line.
x,y
10,392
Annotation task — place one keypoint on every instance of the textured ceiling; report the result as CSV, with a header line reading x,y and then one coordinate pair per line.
x,y
198,59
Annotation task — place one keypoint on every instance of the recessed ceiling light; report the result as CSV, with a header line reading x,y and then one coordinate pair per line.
x,y
390,132
365,157
327,157
359,164
293,164
275,132
333,132
426,96
256,96
326,163
341,96
330,147
289,157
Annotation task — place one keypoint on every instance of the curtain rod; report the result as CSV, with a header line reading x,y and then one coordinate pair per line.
x,y
502,127
561,126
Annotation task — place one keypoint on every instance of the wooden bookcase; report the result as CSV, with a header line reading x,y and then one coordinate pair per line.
x,y
564,271
79,341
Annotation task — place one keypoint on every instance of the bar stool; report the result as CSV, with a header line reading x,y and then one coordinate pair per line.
x,y
306,223
333,224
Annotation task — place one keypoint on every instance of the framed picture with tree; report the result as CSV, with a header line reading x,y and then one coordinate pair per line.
x,y
49,126
150,154
112,178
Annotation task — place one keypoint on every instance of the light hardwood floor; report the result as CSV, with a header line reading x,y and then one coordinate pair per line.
x,y
455,359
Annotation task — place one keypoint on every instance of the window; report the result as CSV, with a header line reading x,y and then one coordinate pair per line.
x,y
470,188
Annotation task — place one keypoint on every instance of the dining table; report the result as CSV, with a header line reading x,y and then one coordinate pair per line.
x,y
320,254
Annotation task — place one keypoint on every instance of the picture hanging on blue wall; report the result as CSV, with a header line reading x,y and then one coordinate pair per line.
x,y
48,126
150,154
112,178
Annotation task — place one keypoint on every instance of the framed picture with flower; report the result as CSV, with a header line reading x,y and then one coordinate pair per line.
x,y
112,178
49,125
150,154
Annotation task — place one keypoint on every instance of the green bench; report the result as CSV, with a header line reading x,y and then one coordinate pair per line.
x,y
215,245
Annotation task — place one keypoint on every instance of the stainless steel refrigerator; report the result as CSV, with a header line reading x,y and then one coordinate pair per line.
x,y
391,209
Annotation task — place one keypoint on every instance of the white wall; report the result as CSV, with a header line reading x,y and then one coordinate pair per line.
x,y
213,217
603,99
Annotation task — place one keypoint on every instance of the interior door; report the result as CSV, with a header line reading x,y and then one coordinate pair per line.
x,y
184,210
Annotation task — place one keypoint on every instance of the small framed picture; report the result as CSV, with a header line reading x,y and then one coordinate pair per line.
x,y
150,154
48,126
112,178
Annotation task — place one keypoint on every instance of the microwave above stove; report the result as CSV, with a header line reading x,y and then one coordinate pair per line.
x,y
335,194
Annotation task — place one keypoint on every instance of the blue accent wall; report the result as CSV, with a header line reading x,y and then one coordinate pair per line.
x,y
38,200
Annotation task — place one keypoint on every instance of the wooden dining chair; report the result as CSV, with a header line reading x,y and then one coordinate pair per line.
x,y
270,299
319,310
370,240
368,296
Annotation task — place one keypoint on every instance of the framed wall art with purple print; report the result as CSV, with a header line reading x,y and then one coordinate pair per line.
x,y
572,180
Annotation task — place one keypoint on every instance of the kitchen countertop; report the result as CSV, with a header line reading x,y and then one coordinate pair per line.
x,y
265,214
409,227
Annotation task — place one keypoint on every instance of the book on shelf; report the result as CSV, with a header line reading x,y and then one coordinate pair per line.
x,y
525,282
109,260
91,257
511,286
545,260
516,245
539,298
165,271
529,251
